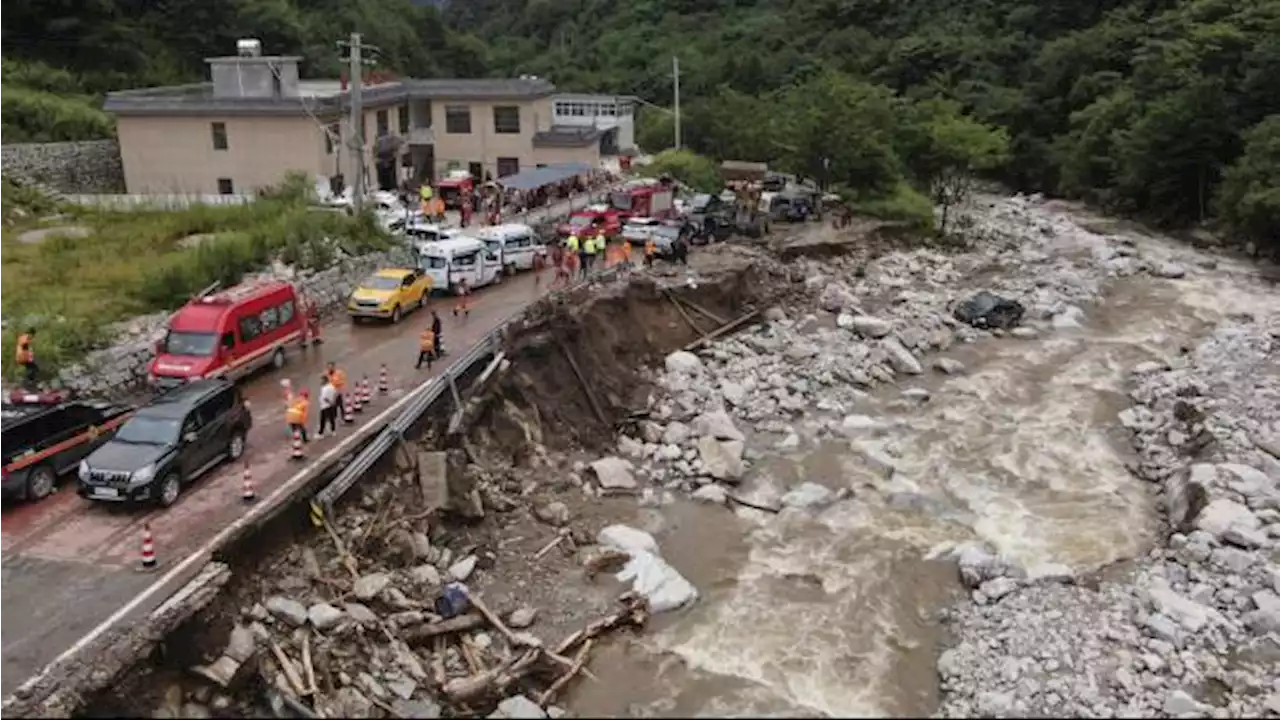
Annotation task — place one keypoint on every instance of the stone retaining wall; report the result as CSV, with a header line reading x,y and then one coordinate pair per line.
x,y
91,166
122,367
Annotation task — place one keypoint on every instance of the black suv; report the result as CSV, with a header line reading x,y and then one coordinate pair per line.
x,y
168,444
45,436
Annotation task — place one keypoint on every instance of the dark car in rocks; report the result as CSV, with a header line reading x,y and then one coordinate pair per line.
x,y
168,444
46,435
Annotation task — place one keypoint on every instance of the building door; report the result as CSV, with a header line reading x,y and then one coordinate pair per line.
x,y
476,170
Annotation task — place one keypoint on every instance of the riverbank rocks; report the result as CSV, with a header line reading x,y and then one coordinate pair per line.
x,y
614,473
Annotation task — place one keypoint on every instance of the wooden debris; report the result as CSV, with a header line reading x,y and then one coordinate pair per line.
x,y
722,330
290,672
496,622
462,623
699,309
586,387
307,666
549,546
493,681
569,674
756,506
684,314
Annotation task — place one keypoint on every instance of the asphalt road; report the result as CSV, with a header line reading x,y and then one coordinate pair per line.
x,y
69,564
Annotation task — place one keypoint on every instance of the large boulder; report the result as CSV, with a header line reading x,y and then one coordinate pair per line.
x,y
717,424
990,311
683,362
614,473
721,460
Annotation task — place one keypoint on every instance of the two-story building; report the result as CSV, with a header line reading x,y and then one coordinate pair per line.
x,y
255,121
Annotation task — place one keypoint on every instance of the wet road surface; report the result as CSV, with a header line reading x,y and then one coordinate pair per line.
x,y
69,564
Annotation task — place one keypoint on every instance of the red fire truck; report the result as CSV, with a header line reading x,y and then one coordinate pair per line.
x,y
645,197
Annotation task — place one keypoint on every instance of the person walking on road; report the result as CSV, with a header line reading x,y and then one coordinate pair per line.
x,y
462,305
426,349
437,329
328,406
338,378
25,356
296,416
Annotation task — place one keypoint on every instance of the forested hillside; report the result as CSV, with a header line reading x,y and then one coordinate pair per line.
x,y
1155,107
62,55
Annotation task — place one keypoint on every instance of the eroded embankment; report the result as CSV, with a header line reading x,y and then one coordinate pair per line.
x,y
345,622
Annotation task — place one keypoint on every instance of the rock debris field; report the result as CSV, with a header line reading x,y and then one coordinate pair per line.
x,y
1188,627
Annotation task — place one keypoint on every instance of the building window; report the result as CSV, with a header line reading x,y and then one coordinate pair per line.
x,y
332,135
404,119
219,136
476,170
508,166
457,119
384,125
562,108
225,187
506,119
422,114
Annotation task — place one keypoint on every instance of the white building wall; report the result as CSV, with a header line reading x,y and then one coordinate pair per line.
x,y
604,112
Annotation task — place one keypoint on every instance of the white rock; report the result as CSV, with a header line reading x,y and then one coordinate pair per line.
x,y
630,447
717,424
522,617
684,362
1170,270
518,707
872,327
711,494
721,460
808,495
676,433
998,587
948,366
1071,317
734,393
614,473
844,321
1178,703
367,587
855,425
425,574
286,609
361,613
462,569
324,616
900,359
1222,514
1186,612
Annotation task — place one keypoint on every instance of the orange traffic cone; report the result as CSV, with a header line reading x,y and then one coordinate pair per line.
x,y
148,549
297,453
383,387
365,392
347,409
247,494
357,402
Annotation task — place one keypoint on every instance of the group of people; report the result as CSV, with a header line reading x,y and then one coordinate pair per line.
x,y
333,386
577,256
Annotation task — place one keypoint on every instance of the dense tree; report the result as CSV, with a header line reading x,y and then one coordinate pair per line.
x,y
1250,198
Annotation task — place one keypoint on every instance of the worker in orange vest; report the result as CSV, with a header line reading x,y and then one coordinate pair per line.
x,y
463,305
25,356
311,316
626,251
337,378
297,413
650,251
426,348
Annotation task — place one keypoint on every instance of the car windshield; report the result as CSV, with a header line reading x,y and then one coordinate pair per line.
x,y
144,430
378,282
701,202
190,343
435,262
580,221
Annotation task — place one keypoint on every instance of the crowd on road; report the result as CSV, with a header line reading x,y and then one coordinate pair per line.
x,y
492,201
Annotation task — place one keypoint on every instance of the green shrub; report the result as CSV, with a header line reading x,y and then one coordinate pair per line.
x,y
37,116
903,203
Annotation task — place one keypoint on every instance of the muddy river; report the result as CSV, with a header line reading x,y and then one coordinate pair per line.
x,y
834,612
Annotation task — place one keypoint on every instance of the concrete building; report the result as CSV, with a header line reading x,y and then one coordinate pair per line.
x,y
255,121
614,116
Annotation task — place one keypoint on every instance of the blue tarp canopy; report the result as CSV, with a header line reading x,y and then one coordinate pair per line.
x,y
538,177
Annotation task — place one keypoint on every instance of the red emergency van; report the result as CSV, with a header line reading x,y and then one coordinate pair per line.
x,y
229,333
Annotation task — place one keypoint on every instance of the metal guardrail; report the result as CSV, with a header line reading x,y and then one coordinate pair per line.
x,y
427,393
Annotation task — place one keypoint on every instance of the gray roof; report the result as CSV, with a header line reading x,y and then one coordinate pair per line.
x,y
198,98
534,178
566,136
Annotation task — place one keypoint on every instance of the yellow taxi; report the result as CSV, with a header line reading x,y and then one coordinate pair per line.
x,y
389,294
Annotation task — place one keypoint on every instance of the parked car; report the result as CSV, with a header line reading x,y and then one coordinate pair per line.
x,y
389,293
229,333
46,436
168,444
460,258
515,244
663,233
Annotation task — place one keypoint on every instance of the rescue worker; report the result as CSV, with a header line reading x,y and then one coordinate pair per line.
x,y
25,356
297,413
574,246
462,304
539,262
466,209
424,198
426,349
650,251
313,323
437,209
328,406
560,261
338,378
626,252
437,329
589,250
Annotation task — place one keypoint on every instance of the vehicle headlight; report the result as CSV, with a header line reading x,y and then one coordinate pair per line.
x,y
143,475
84,470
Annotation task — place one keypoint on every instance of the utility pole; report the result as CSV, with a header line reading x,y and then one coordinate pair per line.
x,y
355,69
675,75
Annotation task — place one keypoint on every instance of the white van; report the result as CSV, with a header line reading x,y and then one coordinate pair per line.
x,y
459,258
419,232
515,245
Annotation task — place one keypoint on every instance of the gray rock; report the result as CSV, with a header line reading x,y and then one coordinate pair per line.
x,y
684,362
1222,514
241,645
421,709
808,495
425,574
948,366
361,613
519,707
553,513
324,616
462,569
522,617
721,460
288,610
402,687
1178,703
998,587
900,359
368,587
676,434
1169,270
872,327
614,473
711,494
630,447
717,424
